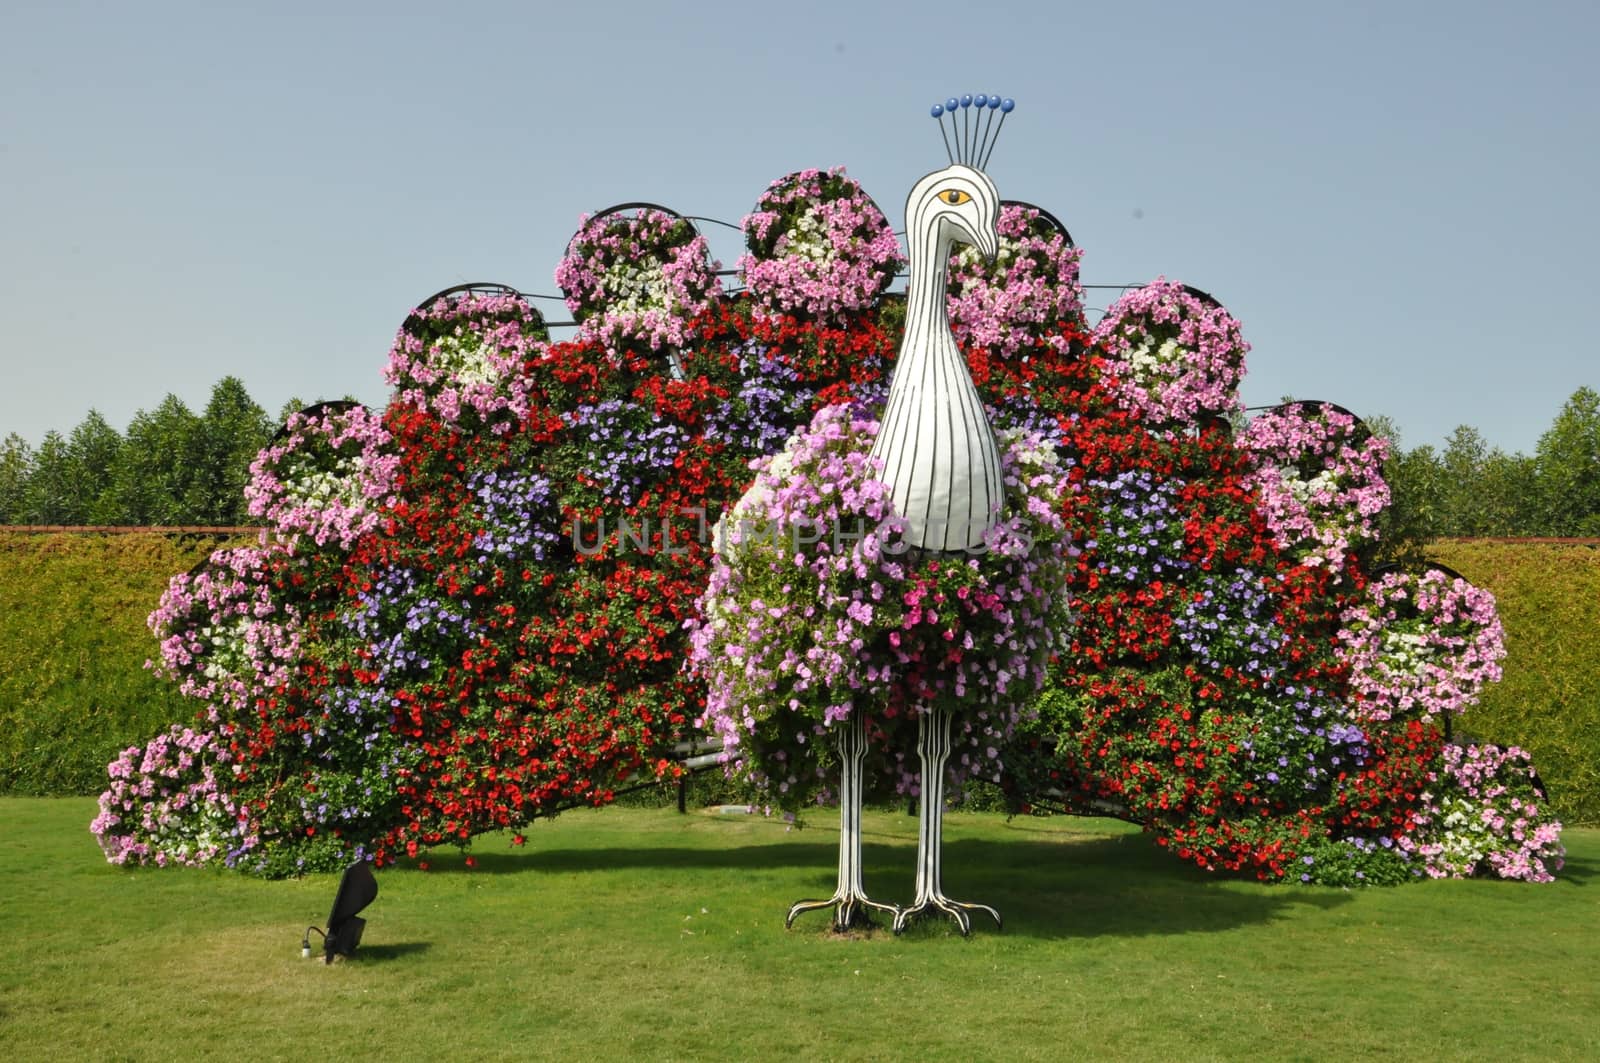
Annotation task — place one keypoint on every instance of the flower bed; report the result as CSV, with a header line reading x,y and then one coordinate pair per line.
x,y
816,608
488,597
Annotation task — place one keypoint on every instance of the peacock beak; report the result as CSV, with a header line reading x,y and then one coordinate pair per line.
x,y
988,244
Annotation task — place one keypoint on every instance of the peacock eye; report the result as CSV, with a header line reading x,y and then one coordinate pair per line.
x,y
955,197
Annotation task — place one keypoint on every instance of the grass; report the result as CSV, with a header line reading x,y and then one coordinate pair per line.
x,y
642,934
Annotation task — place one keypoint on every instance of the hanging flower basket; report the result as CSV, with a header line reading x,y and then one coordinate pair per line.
x,y
1421,646
1319,472
1029,290
1175,356
636,275
818,247
224,636
1485,813
460,356
326,476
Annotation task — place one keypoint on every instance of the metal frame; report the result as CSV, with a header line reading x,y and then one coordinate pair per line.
x,y
1050,219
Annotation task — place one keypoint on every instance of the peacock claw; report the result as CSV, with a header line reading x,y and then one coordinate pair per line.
x,y
848,912
956,910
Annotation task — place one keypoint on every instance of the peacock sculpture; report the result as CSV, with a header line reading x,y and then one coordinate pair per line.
x,y
913,566
938,452
473,608
938,455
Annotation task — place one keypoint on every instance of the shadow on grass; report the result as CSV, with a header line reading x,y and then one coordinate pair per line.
x,y
385,953
1578,871
662,858
1044,886
1122,886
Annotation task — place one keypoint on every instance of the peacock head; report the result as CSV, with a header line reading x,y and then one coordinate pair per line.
x,y
955,205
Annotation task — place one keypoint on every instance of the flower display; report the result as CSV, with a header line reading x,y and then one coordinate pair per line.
x,y
168,804
224,635
546,562
816,607
818,247
1485,813
1025,295
519,515
462,357
637,277
1174,356
1320,475
327,475
1425,644
624,447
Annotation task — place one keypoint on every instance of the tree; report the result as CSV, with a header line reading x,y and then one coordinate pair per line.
x,y
1416,481
92,454
16,463
293,406
49,495
1462,465
1506,486
1566,468
228,435
158,465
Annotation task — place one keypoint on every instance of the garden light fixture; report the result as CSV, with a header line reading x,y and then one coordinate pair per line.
x,y
357,889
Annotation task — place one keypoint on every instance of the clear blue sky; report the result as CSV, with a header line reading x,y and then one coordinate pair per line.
x,y
1397,199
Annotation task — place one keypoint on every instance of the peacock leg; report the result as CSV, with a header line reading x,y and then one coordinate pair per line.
x,y
933,748
849,902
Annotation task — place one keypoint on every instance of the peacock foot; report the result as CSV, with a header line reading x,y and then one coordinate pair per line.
x,y
849,910
939,903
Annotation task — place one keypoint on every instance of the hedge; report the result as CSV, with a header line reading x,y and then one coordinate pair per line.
x,y
73,642
74,692
1549,700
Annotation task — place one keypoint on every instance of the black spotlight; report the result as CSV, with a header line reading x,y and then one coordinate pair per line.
x,y
357,889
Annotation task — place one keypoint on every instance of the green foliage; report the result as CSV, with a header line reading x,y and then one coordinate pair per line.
x,y
73,642
1484,491
1416,510
49,491
1354,863
1568,468
16,459
158,465
173,468
1472,489
91,459
1549,701
227,437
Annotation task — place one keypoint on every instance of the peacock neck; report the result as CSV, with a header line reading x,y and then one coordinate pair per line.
x,y
927,322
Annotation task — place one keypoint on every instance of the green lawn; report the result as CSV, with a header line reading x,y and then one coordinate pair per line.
x,y
638,933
